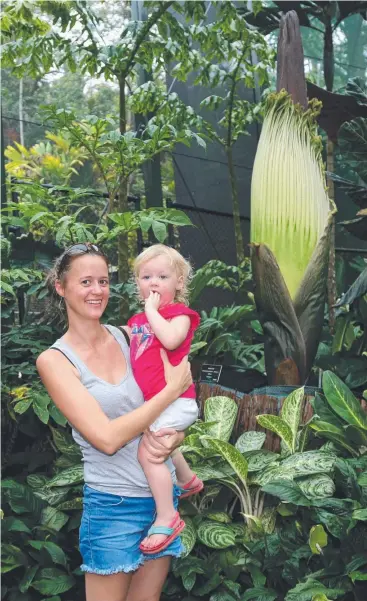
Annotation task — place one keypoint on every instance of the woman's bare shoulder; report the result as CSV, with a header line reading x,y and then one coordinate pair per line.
x,y
51,358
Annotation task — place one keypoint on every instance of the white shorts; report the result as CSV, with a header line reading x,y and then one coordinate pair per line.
x,y
181,414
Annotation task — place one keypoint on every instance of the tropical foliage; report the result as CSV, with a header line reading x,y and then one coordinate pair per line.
x,y
277,526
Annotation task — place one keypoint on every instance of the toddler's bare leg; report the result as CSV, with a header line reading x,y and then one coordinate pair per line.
x,y
160,482
183,471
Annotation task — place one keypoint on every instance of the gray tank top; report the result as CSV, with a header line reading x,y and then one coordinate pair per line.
x,y
121,473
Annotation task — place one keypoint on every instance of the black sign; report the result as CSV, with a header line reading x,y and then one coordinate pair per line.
x,y
210,373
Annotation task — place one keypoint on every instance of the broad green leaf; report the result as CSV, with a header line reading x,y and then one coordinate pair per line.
x,y
76,503
322,409
305,591
55,552
235,459
11,524
332,433
21,497
56,414
360,514
279,426
27,579
343,401
250,441
258,460
318,486
288,491
291,412
259,594
42,413
270,474
239,529
72,475
188,580
36,480
286,509
317,539
219,516
268,519
222,410
52,518
188,537
54,586
362,480
208,473
357,575
309,462
160,231
215,536
356,436
11,555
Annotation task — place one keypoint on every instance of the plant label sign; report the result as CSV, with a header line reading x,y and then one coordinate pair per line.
x,y
210,373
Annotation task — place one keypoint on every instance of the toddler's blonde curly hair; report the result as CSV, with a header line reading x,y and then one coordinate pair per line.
x,y
178,262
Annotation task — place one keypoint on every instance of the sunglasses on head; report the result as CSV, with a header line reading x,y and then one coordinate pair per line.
x,y
79,249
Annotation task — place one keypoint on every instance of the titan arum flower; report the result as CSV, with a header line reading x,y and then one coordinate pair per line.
x,y
291,219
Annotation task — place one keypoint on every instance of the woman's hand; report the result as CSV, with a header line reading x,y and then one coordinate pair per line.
x,y
159,445
178,377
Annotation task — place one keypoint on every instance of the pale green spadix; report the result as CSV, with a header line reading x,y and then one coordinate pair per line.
x,y
289,202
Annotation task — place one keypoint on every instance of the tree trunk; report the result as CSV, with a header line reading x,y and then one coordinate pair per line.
x,y
236,208
151,169
122,207
21,127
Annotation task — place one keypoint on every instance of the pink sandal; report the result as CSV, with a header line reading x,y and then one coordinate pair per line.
x,y
171,532
193,487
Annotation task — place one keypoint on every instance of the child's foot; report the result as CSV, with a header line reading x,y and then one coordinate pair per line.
x,y
162,533
192,487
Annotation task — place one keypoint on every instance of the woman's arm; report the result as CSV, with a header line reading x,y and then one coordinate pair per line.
x,y
83,411
159,445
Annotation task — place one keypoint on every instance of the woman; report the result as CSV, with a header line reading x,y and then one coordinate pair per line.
x,y
88,376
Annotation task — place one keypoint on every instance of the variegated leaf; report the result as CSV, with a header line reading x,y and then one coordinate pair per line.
x,y
279,426
291,412
72,475
215,536
258,460
309,462
235,459
250,441
319,486
188,537
222,410
205,472
219,516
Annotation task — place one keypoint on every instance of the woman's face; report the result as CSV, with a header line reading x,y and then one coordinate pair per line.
x,y
85,287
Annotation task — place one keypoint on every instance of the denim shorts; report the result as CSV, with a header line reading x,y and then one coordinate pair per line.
x,y
112,529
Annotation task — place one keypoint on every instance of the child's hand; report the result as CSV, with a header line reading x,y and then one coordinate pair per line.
x,y
153,301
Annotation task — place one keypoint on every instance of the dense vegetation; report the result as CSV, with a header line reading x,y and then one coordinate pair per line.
x,y
270,526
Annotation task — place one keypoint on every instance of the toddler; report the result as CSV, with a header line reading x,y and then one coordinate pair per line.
x,y
162,276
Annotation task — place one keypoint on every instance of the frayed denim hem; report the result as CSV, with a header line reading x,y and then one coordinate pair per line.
x,y
125,569
134,566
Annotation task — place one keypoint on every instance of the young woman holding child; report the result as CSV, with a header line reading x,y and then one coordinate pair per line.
x,y
88,375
